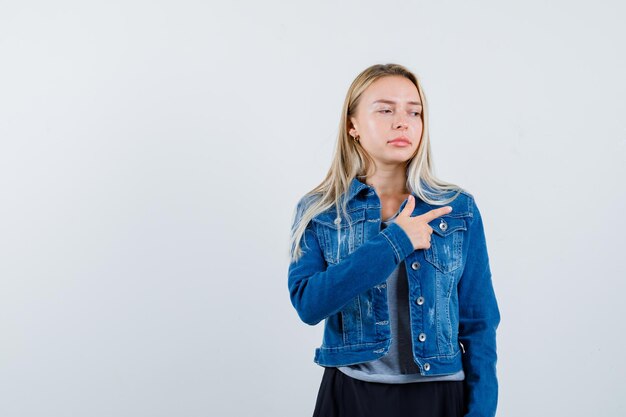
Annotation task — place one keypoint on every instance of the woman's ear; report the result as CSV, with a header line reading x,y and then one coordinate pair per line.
x,y
352,129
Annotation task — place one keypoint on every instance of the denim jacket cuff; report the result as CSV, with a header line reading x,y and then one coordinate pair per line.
x,y
399,240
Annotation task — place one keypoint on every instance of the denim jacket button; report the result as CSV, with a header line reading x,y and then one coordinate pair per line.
x,y
443,225
420,301
415,265
427,367
422,337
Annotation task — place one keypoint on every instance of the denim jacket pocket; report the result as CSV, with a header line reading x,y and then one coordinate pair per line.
x,y
339,236
446,247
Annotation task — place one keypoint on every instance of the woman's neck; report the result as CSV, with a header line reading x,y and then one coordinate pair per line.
x,y
388,183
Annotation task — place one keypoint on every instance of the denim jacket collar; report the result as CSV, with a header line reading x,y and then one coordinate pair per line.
x,y
355,187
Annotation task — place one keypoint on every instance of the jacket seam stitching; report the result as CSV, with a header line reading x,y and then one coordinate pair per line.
x,y
392,245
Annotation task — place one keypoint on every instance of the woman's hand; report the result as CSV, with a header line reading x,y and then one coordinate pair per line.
x,y
417,227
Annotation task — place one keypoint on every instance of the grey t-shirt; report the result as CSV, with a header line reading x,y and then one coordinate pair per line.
x,y
397,366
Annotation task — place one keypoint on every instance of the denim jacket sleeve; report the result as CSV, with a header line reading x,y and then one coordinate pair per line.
x,y
318,290
479,317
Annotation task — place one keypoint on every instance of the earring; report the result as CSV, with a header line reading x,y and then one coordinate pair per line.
x,y
356,138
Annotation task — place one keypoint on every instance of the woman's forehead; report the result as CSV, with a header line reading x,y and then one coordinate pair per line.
x,y
392,90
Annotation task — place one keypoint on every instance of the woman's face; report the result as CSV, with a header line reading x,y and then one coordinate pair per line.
x,y
390,108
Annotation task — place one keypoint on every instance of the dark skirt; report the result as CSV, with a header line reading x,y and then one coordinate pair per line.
x,y
343,396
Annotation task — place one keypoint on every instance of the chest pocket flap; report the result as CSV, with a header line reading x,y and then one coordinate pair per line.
x,y
443,226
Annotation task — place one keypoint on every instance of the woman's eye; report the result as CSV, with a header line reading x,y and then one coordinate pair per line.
x,y
416,113
385,110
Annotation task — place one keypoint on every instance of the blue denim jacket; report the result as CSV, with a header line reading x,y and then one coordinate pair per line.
x,y
341,277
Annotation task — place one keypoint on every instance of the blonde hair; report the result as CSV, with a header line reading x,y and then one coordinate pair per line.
x,y
350,160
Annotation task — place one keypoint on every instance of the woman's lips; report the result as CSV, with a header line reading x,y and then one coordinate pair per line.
x,y
399,142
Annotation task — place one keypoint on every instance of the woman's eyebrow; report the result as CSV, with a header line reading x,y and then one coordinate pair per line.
x,y
416,103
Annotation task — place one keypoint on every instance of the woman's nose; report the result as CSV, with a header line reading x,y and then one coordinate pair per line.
x,y
400,123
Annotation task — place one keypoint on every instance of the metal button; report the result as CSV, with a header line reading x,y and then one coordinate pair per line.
x,y
422,337
337,220
443,225
415,265
420,301
427,367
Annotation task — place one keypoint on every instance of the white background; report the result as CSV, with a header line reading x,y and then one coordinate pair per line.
x,y
151,155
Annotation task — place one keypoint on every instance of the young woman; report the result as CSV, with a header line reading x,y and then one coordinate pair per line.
x,y
395,262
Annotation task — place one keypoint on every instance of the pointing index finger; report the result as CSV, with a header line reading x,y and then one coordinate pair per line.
x,y
434,213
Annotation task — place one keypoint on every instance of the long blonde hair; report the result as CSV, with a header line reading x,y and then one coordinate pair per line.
x,y
350,160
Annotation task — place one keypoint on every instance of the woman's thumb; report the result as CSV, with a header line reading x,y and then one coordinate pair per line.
x,y
409,206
